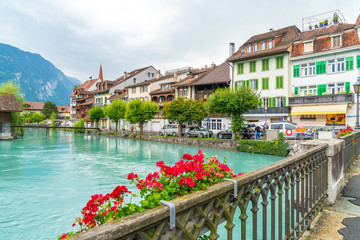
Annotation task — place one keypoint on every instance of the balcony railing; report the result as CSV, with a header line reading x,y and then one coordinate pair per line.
x,y
100,104
273,110
333,98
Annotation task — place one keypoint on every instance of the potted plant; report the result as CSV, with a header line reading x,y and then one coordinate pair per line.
x,y
335,18
310,27
321,24
326,22
316,26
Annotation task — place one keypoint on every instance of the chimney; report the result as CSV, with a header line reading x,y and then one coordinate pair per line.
x,y
157,74
125,74
101,74
213,64
90,78
231,48
271,29
175,74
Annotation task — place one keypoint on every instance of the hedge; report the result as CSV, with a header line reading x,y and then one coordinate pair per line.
x,y
278,147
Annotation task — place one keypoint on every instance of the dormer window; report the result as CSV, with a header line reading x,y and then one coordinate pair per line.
x,y
255,47
270,44
308,46
336,41
249,49
263,46
134,80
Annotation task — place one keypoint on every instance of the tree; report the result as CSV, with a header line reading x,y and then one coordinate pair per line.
x,y
79,124
234,103
53,116
16,118
116,111
49,108
75,87
139,111
34,117
96,113
183,110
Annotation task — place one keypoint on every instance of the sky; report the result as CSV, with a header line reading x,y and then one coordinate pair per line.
x,y
79,35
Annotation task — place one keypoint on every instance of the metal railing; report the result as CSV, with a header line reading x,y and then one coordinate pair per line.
x,y
100,104
352,149
284,196
333,98
271,110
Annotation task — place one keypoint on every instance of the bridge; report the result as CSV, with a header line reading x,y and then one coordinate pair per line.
x,y
278,201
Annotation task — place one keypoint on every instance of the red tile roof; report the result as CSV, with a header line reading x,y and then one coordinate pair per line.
x,y
194,76
8,103
63,109
357,23
33,106
159,91
324,31
147,82
85,86
287,36
88,103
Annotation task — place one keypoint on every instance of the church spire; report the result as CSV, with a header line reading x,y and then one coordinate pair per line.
x,y
100,74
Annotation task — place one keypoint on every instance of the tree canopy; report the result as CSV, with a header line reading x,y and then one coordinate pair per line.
x,y
34,117
116,111
139,111
96,113
49,108
183,110
234,103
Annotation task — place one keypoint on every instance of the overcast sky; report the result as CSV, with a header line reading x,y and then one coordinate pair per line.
x,y
78,35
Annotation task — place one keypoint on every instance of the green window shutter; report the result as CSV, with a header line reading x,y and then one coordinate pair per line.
x,y
324,88
284,101
277,82
236,85
279,62
269,102
320,67
240,68
256,84
296,90
265,65
319,90
247,83
253,66
349,63
281,79
296,70
260,103
358,61
347,87
265,83
273,102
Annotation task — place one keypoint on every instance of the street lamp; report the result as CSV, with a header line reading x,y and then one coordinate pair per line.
x,y
357,91
265,110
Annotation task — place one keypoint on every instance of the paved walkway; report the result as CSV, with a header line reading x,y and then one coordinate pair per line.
x,y
341,220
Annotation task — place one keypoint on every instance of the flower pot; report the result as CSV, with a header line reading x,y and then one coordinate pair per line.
x,y
325,24
316,27
310,28
321,25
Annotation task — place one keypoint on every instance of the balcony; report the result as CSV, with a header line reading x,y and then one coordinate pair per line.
x,y
100,104
272,110
319,99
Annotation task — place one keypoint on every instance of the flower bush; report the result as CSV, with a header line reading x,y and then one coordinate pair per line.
x,y
190,174
344,132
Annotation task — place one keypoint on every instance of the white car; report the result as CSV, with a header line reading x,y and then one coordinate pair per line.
x,y
289,130
170,129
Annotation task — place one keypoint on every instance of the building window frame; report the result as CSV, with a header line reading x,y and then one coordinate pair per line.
x,y
336,41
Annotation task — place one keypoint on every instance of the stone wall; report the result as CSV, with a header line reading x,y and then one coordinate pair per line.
x,y
5,131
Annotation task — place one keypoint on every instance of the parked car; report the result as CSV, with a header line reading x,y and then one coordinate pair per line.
x,y
169,129
289,130
196,131
247,132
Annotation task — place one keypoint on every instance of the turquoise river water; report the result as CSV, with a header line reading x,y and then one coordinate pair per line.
x,y
46,181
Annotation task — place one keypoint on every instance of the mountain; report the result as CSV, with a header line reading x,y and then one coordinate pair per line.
x,y
39,79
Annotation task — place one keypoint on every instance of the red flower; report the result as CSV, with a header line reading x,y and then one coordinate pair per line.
x,y
64,235
354,141
187,156
132,176
118,191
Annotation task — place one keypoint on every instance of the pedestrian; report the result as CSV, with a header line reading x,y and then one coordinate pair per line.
x,y
257,132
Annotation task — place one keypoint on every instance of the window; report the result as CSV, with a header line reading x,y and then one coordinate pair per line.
x,y
340,87
279,62
280,82
331,66
308,117
265,65
270,44
182,91
312,90
331,88
358,60
240,67
340,65
336,41
308,47
134,79
265,83
265,102
303,91
304,70
320,67
249,49
153,74
149,74
255,47
241,84
279,102
349,63
254,84
312,69
263,46
253,66
133,90
143,88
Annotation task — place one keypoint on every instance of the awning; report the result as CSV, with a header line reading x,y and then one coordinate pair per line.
x,y
324,109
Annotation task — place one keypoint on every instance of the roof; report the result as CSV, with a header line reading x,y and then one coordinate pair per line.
x,y
159,91
147,82
85,86
286,34
194,76
324,31
66,109
221,74
8,103
88,103
357,23
33,105
121,95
